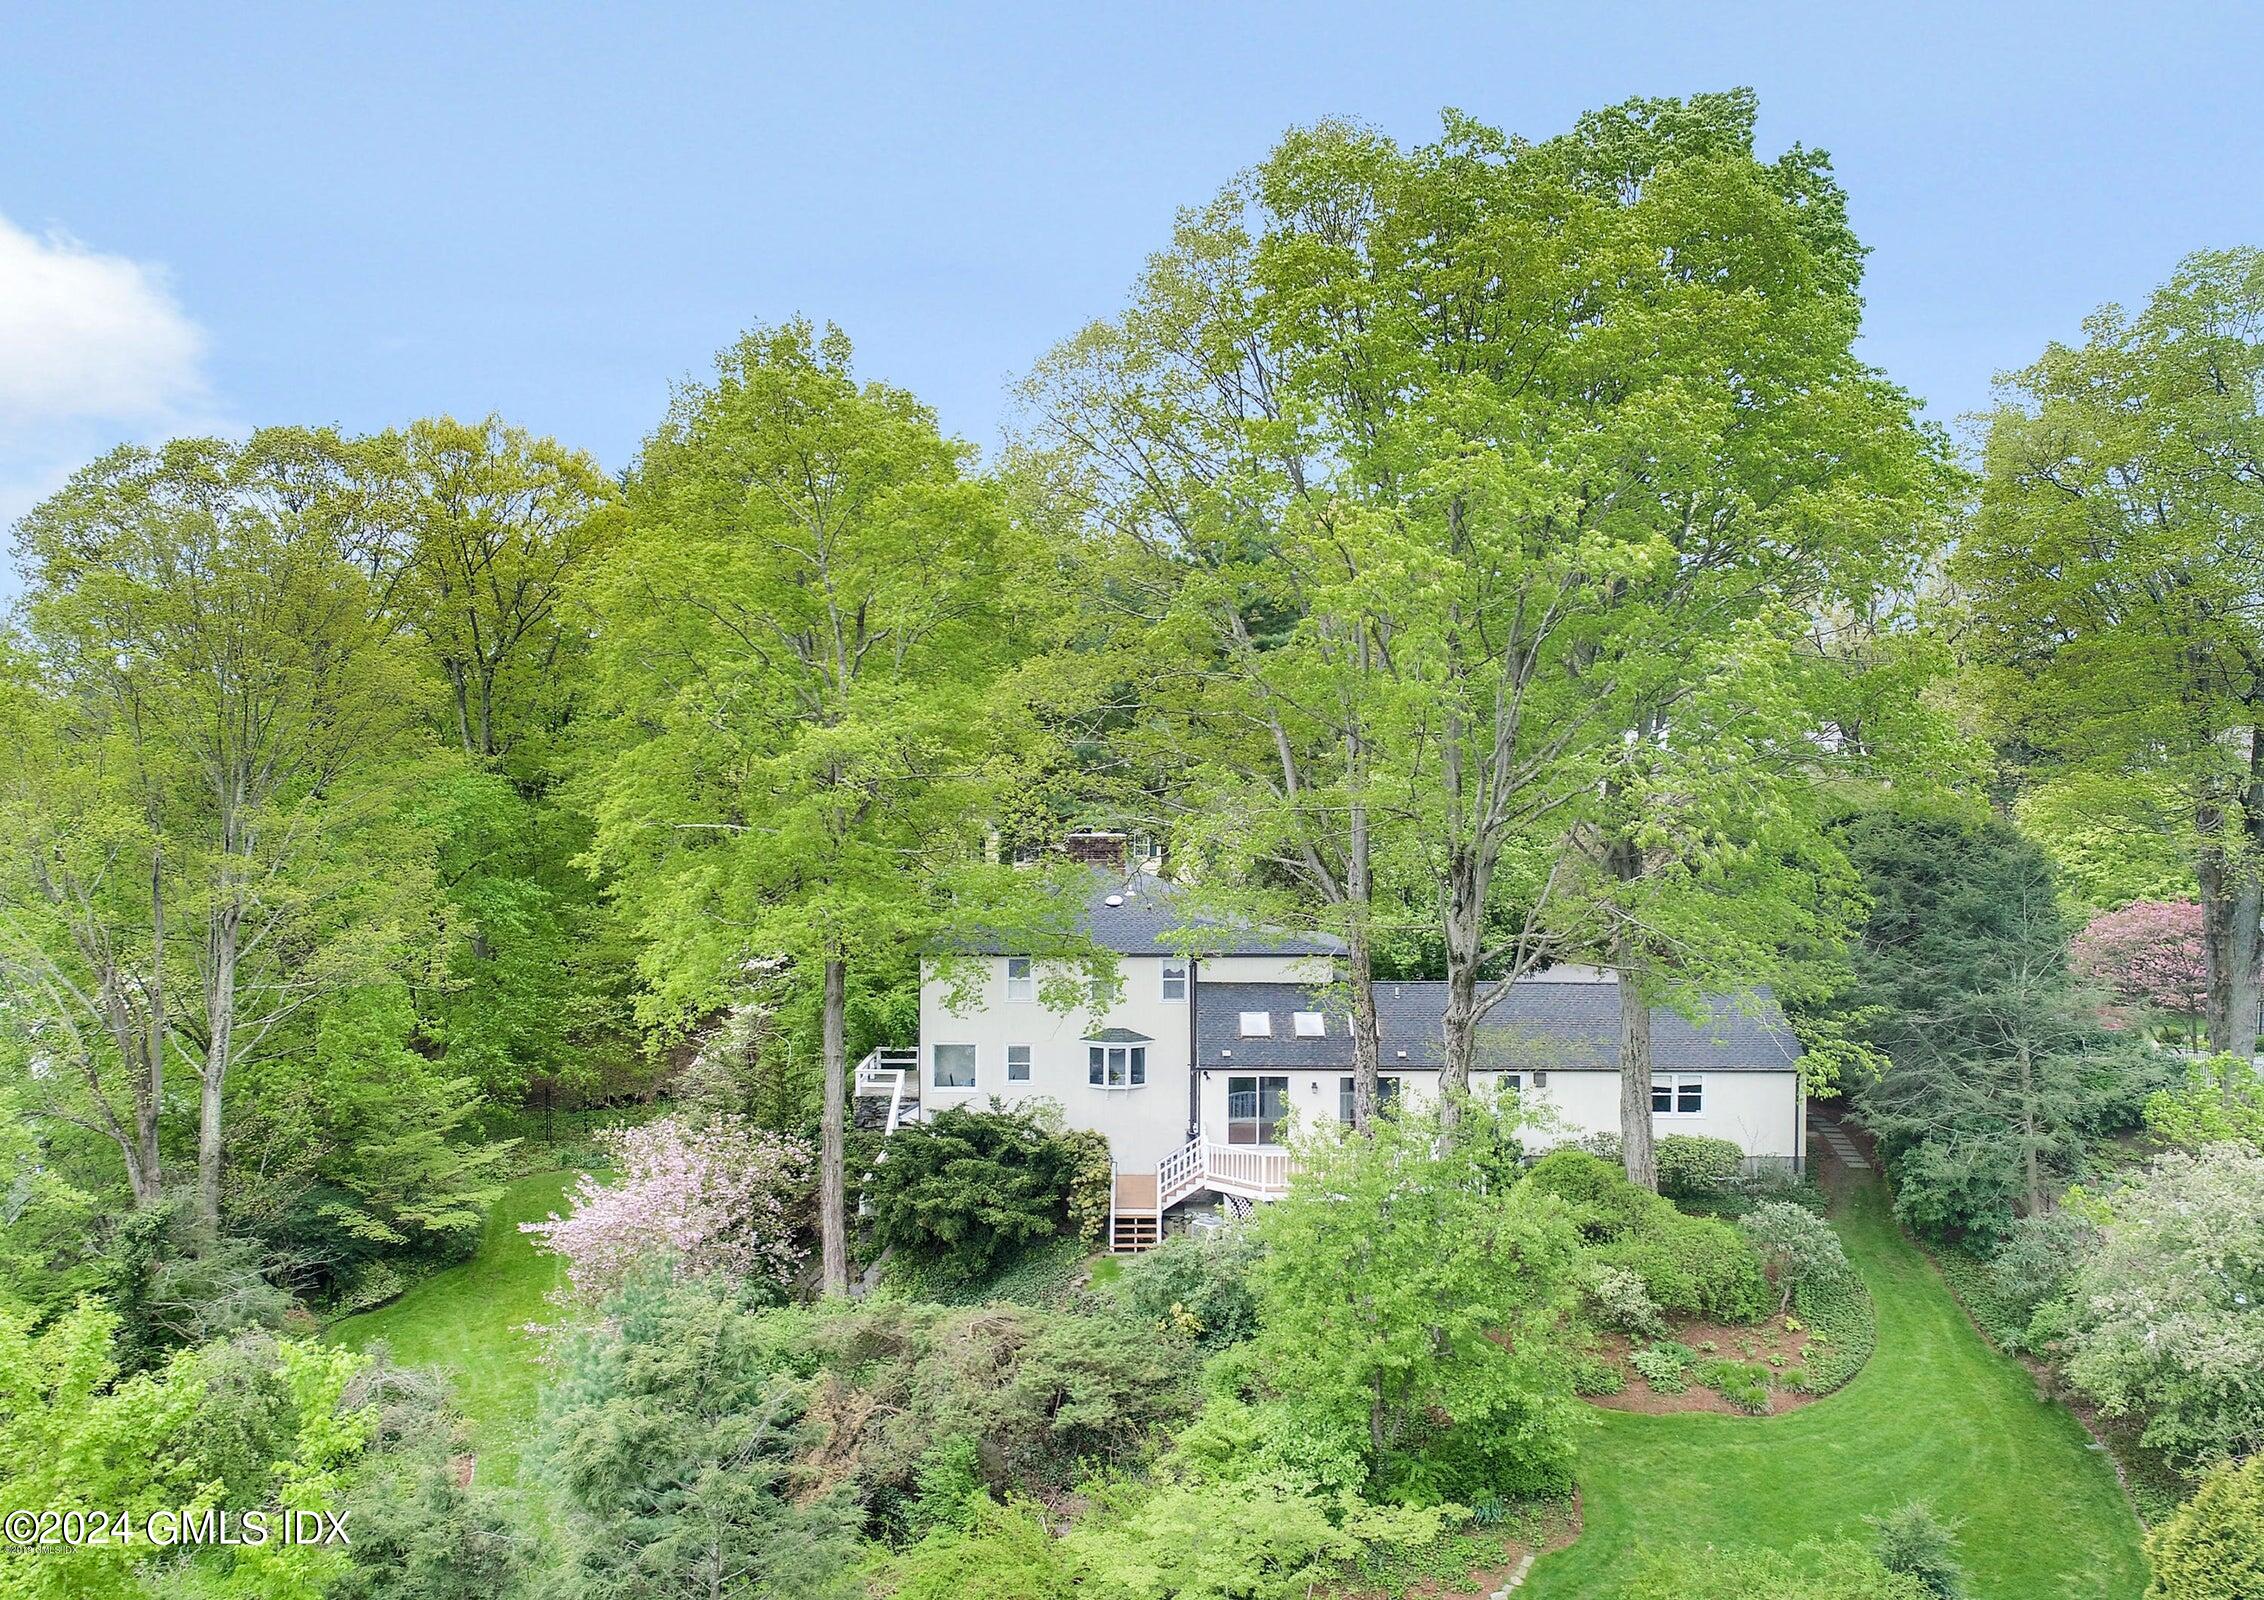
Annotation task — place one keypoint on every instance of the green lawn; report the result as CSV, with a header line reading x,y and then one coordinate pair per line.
x,y
467,1321
1936,1415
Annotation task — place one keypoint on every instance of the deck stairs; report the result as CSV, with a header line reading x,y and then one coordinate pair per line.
x,y
1240,1175
891,1080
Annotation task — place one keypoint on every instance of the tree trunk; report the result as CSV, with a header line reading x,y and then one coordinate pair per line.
x,y
1359,967
1367,1033
220,1010
149,1085
1465,929
2230,908
2031,1157
833,1232
1635,1148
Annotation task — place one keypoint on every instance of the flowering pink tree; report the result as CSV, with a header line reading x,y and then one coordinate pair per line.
x,y
2149,953
709,1199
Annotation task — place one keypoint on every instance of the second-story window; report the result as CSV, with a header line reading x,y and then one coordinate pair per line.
x,y
1021,979
1174,979
1017,1063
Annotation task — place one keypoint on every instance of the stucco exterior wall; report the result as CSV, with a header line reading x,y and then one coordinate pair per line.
x,y
1143,1125
1759,1110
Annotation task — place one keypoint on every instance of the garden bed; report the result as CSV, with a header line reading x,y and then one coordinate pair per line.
x,y
1771,1346
1478,1561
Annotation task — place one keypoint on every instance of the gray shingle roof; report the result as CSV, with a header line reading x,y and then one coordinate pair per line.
x,y
1541,1023
1147,917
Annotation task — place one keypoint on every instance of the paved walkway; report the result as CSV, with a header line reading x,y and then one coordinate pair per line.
x,y
1843,1149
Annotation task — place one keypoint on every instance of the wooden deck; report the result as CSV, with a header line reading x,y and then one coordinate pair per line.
x,y
1136,1192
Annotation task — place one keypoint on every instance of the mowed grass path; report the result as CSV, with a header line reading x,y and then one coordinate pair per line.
x,y
1935,1415
467,1321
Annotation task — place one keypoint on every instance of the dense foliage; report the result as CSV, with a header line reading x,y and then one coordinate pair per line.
x,y
2166,1319
1999,1072
1413,1314
966,1188
2213,1548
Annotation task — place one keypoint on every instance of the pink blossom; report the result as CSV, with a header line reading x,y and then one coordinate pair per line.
x,y
709,1199
2149,953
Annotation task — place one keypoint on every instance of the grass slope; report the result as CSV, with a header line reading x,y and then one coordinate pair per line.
x,y
1936,1415
467,1320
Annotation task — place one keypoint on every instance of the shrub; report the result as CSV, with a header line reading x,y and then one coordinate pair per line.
x,y
1795,1246
2221,1102
1038,1392
1663,1364
1594,1376
1617,1299
963,1190
418,1533
2213,1547
2166,1320
1691,1163
1744,1384
2036,1264
1699,1266
1199,1284
1044,1274
717,1199
670,1439
1808,1572
1603,1202
1841,1332
1410,1303
1911,1540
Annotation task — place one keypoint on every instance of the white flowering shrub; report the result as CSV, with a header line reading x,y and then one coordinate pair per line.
x,y
714,1199
2166,1320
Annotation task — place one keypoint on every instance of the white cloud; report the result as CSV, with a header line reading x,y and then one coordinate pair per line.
x,y
94,351
90,337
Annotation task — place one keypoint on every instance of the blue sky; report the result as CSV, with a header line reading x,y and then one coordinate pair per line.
x,y
220,216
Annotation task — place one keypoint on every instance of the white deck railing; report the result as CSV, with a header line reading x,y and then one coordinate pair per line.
x,y
891,1073
1248,1170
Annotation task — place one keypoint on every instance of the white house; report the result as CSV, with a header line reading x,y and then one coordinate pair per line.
x,y
1206,1058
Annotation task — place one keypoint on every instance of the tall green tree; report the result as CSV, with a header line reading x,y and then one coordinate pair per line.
x,y
2112,576
1492,483
214,653
1999,1073
1414,1308
797,633
475,534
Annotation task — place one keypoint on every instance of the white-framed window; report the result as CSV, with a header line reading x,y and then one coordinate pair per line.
x,y
1308,1025
1256,1109
1514,1082
1017,1063
1174,979
951,1066
1387,1090
1116,1066
1677,1094
1021,978
1257,1025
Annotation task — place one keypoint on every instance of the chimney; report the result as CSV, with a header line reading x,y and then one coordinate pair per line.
x,y
1095,849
